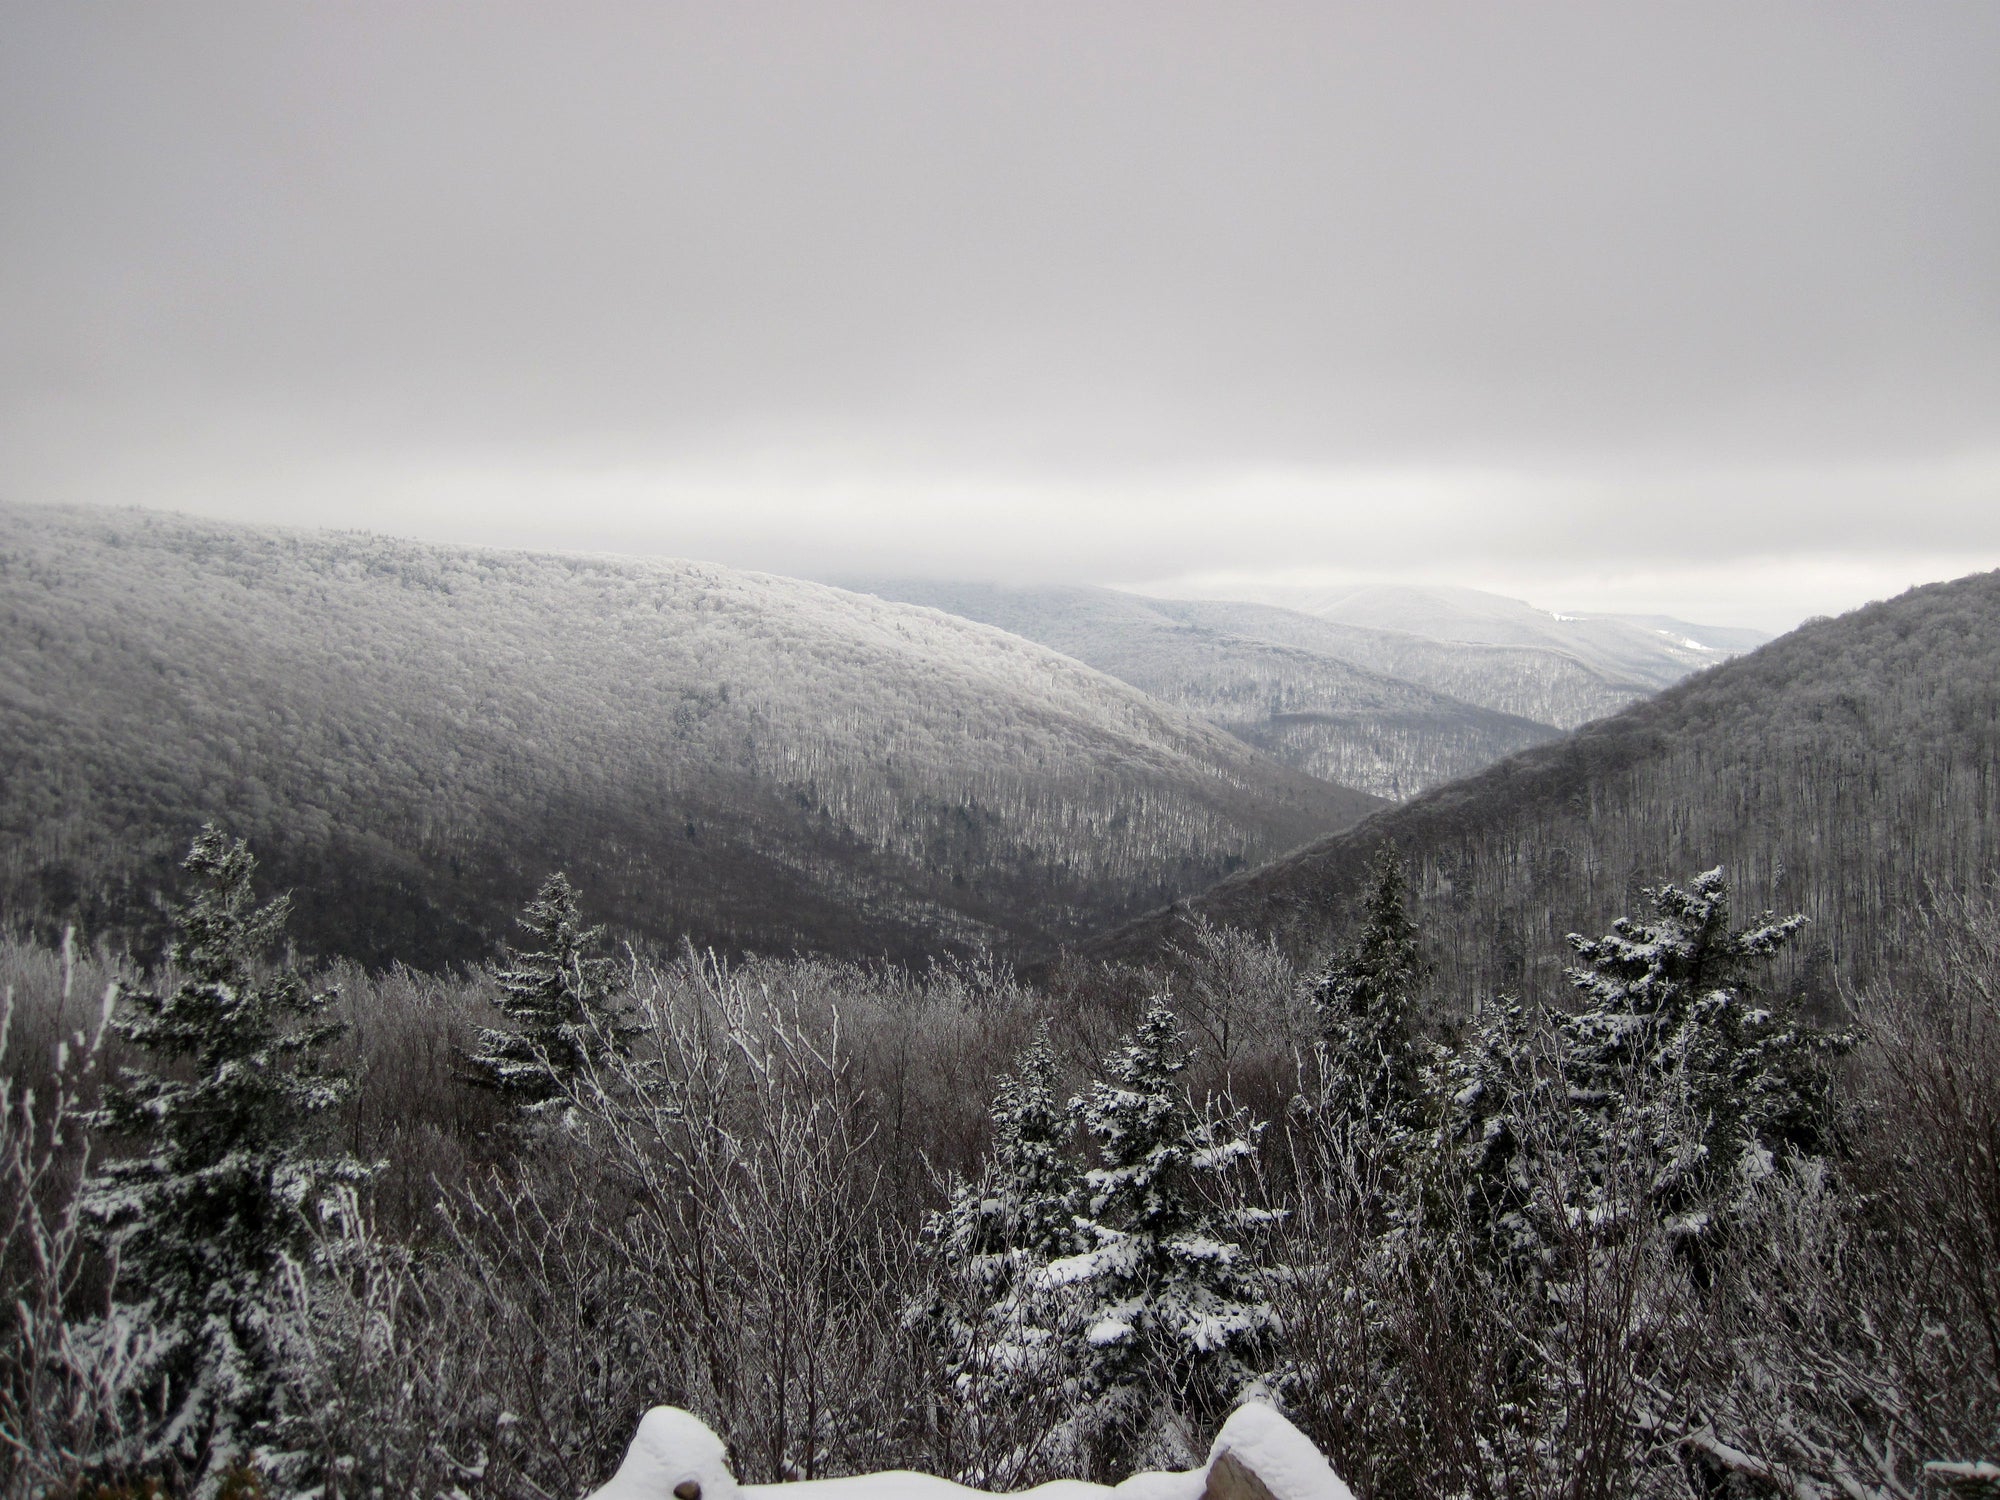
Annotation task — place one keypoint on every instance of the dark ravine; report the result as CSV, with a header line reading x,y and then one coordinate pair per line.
x,y
416,735
1842,771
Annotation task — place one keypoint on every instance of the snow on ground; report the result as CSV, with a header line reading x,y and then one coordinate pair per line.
x,y
675,1456
902,1484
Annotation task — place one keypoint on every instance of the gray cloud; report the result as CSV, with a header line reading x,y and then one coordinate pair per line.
x,y
1570,294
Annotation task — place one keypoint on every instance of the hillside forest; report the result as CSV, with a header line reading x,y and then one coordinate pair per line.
x,y
333,1231
1842,771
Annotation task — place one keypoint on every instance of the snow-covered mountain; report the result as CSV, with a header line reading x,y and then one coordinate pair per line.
x,y
1274,679
1561,668
418,734
1536,683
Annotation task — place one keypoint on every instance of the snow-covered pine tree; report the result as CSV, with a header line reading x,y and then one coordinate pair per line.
x,y
1370,1070
1169,1305
1019,1211
1678,1053
228,1108
993,1313
561,996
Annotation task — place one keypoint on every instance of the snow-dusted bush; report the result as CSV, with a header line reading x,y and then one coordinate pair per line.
x,y
61,1380
1856,1344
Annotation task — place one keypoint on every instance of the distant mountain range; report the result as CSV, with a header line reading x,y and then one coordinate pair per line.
x,y
1841,770
1542,684
1501,653
1266,681
1651,649
413,736
1393,690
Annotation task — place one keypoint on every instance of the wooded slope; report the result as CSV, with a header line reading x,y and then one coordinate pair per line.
x,y
1837,771
418,734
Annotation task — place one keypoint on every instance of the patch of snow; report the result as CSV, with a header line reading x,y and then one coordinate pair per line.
x,y
1069,1270
905,1484
1108,1331
1201,1247
1978,1470
675,1448
1185,1486
1214,1157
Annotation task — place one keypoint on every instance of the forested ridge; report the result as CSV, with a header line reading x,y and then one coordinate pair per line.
x,y
421,732
1839,771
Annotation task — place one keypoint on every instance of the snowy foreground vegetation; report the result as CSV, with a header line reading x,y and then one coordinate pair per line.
x,y
275,1233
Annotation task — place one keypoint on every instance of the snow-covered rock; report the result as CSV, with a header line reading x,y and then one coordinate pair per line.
x,y
674,1456
1258,1455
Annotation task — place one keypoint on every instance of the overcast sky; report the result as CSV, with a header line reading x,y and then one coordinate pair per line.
x,y
1662,306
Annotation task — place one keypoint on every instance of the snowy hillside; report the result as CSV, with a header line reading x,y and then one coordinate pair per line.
x,y
424,732
1311,707
1647,651
1542,684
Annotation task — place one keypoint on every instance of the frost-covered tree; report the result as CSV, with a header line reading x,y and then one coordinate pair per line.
x,y
994,1313
1020,1209
226,1109
1676,1050
1167,1299
1369,1061
560,994
1497,1092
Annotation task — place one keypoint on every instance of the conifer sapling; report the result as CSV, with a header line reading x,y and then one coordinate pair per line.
x,y
1369,1065
560,995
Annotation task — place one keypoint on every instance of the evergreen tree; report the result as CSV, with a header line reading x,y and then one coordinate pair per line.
x,y
560,995
1369,1063
1168,1303
1676,1073
1678,1054
994,1314
227,1108
1497,1099
1021,1209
